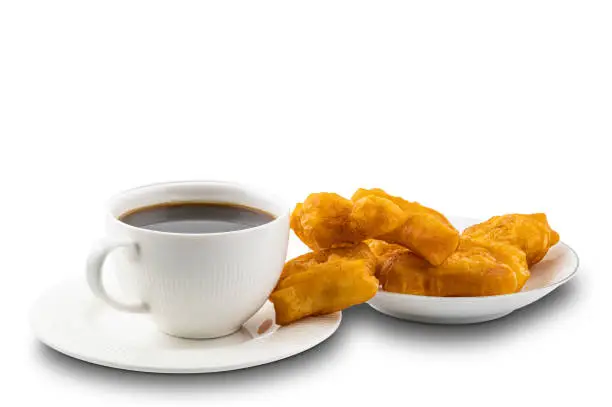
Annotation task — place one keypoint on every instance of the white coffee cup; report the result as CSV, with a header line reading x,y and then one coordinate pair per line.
x,y
193,285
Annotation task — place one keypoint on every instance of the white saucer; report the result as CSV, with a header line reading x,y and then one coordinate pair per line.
x,y
71,320
557,268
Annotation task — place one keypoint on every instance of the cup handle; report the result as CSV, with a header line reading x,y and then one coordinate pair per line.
x,y
95,264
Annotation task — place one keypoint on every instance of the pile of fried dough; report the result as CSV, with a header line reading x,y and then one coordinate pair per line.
x,y
378,240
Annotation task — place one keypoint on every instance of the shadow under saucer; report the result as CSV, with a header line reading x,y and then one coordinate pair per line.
x,y
355,321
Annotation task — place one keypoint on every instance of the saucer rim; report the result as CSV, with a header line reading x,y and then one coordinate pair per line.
x,y
183,371
295,343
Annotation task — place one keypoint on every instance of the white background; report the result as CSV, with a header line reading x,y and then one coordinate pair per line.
x,y
472,107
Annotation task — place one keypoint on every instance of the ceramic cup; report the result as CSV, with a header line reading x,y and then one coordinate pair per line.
x,y
193,285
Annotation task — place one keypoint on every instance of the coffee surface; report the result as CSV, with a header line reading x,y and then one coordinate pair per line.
x,y
196,217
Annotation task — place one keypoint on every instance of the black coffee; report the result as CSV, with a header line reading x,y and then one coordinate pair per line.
x,y
196,217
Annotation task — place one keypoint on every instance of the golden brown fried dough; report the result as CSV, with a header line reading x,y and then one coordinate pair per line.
x,y
405,205
375,216
327,220
530,233
505,253
323,221
323,288
407,273
383,251
426,236
493,258
304,262
424,231
410,248
477,268
324,281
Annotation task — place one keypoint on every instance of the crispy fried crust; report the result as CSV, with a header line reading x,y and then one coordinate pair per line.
x,y
530,233
477,268
324,289
327,220
304,262
493,258
408,247
424,231
323,221
325,281
383,251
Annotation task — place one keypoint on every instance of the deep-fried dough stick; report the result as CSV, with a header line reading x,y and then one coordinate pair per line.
x,y
383,251
530,233
327,220
493,258
424,231
477,268
304,262
323,288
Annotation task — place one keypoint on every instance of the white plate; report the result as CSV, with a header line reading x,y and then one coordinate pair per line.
x,y
69,319
557,268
